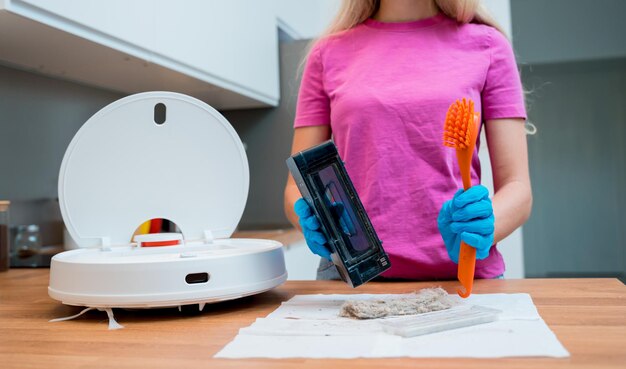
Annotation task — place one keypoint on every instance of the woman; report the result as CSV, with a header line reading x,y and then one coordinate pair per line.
x,y
380,83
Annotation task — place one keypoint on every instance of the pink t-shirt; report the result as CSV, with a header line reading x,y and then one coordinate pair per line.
x,y
384,88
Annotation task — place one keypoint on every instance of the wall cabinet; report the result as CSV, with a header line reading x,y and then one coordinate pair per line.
x,y
223,52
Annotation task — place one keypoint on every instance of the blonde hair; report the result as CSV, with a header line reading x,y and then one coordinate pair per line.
x,y
354,12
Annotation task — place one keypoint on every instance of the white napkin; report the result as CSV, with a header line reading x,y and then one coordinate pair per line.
x,y
308,326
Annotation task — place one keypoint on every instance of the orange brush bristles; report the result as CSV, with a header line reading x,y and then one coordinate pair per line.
x,y
457,130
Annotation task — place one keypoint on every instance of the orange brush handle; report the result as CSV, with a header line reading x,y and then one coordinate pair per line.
x,y
467,265
467,254
464,157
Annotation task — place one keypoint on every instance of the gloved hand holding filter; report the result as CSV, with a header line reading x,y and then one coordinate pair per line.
x,y
311,229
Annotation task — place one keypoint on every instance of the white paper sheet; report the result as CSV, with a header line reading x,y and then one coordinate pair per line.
x,y
308,326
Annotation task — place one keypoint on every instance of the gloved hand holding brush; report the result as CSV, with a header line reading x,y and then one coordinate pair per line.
x,y
468,217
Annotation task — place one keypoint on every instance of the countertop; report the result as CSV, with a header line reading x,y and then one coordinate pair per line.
x,y
287,236
587,315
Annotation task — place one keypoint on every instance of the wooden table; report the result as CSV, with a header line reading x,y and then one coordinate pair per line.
x,y
289,237
587,315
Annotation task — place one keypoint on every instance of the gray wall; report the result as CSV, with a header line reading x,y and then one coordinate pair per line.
x,y
578,169
574,66
548,31
38,118
268,134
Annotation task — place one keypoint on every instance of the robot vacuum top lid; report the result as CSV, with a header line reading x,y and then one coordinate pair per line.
x,y
153,155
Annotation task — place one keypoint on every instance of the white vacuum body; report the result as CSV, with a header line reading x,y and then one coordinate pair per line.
x,y
158,155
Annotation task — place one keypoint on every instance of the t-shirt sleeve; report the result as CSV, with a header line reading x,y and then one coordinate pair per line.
x,y
313,107
502,95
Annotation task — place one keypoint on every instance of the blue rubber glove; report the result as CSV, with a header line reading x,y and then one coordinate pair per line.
x,y
314,237
468,217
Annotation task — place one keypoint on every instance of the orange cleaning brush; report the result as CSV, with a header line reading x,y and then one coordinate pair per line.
x,y
460,131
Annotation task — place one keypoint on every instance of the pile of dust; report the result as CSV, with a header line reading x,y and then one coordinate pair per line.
x,y
423,301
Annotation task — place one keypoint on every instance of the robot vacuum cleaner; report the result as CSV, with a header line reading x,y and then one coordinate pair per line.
x,y
158,155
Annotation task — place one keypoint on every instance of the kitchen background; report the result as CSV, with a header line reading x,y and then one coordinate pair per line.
x,y
61,61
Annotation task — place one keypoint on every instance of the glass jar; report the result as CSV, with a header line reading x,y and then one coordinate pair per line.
x,y
27,246
4,235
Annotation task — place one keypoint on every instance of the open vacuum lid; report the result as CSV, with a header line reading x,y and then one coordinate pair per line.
x,y
153,155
